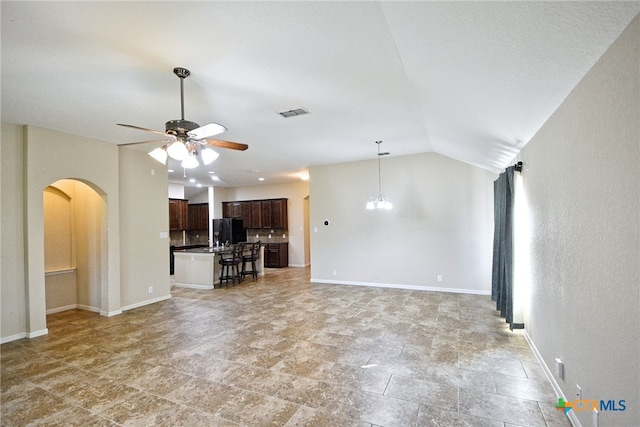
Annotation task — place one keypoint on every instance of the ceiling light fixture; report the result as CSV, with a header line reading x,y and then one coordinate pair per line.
x,y
185,151
379,201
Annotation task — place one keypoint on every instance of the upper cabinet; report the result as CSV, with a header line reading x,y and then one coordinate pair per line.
x,y
178,214
198,216
247,218
269,214
279,217
256,214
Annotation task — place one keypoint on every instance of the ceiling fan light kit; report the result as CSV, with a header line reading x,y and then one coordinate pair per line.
x,y
190,162
186,140
160,154
177,150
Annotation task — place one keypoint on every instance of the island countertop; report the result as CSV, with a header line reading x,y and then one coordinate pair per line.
x,y
206,250
199,268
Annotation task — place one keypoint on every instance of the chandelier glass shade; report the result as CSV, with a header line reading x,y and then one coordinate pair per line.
x,y
380,201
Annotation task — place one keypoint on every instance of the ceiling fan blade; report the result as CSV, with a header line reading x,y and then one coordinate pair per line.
x,y
227,144
141,128
145,142
206,131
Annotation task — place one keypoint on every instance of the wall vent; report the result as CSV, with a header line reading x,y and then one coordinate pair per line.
x,y
293,113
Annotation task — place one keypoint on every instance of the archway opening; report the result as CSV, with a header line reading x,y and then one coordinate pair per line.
x,y
75,246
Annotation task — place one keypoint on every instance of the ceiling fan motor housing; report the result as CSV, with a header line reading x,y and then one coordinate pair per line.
x,y
180,127
181,72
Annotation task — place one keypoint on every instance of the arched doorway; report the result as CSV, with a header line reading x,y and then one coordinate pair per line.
x,y
75,245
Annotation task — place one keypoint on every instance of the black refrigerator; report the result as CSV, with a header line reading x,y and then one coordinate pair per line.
x,y
228,230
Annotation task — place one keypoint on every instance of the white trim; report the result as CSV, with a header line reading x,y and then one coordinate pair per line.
x,y
397,286
13,337
62,271
37,334
147,302
61,309
88,308
573,418
110,313
298,265
192,286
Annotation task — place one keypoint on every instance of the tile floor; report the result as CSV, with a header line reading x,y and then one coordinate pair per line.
x,y
280,352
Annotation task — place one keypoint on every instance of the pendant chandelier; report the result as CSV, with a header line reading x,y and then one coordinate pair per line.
x,y
379,201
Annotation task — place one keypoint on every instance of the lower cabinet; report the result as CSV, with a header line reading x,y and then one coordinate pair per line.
x,y
276,255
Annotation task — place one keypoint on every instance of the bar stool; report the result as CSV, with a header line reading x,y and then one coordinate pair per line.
x,y
230,264
251,257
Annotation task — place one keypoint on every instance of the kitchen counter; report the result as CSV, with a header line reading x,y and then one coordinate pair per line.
x,y
199,268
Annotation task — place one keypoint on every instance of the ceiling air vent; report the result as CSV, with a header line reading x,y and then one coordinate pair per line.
x,y
293,113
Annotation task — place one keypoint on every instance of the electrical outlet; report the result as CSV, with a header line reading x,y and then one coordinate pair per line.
x,y
578,392
439,277
335,272
150,289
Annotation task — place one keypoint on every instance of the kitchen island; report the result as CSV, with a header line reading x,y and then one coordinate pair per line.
x,y
199,268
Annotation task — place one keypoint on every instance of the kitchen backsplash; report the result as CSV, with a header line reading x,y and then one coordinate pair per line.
x,y
201,237
265,236
191,237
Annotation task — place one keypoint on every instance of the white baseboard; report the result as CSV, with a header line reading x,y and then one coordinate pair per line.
x,y
61,309
39,333
73,307
192,286
110,313
547,372
89,308
397,286
147,302
15,337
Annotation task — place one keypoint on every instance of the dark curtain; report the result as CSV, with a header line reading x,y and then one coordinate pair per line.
x,y
502,277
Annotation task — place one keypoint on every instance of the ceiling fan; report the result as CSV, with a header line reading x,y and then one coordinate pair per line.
x,y
185,140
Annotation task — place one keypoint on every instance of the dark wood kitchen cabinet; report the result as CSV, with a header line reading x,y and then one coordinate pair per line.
x,y
276,255
268,214
279,217
198,216
247,218
256,214
265,207
178,214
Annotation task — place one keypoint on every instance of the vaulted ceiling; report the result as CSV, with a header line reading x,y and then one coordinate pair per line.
x,y
469,80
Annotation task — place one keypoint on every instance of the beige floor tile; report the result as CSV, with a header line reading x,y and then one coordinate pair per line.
x,y
380,410
280,351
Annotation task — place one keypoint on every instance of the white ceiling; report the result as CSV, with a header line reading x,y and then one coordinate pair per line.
x,y
470,80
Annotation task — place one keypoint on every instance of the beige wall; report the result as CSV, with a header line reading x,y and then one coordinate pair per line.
x,y
32,159
58,233
441,224
582,189
13,310
295,193
144,224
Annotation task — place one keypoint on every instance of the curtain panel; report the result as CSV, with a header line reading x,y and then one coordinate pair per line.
x,y
502,273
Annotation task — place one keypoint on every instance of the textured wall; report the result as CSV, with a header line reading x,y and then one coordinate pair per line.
x,y
12,290
582,188
441,224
